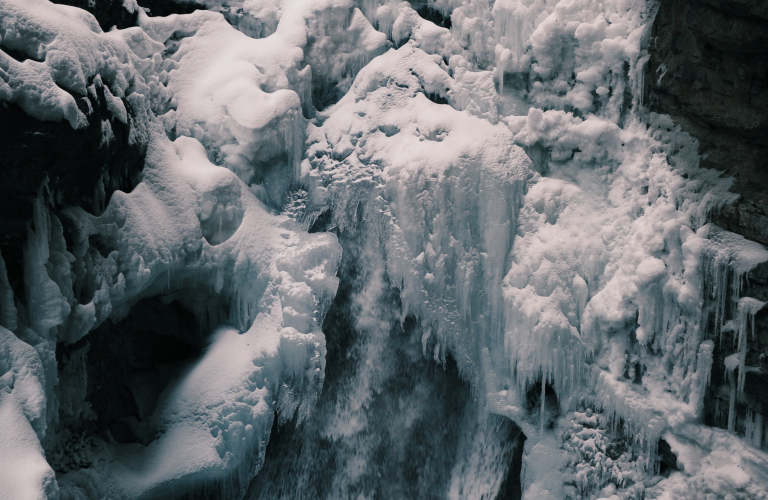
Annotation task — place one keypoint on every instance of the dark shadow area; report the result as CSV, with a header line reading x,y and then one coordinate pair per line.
x,y
708,69
513,440
82,168
111,380
325,94
435,16
110,13
667,459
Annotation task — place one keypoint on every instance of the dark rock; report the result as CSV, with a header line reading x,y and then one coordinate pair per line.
x,y
168,7
709,70
514,443
667,459
108,13
111,13
434,15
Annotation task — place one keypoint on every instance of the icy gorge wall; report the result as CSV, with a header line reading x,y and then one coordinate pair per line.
x,y
379,249
708,71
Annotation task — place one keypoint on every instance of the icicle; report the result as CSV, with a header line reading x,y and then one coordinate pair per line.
x,y
703,373
543,405
754,428
747,309
732,404
8,313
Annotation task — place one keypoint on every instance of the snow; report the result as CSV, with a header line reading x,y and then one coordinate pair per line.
x,y
279,282
64,49
422,170
24,472
537,221
609,263
715,463
189,228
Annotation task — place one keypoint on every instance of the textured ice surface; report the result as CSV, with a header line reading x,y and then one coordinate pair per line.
x,y
544,230
61,49
591,268
213,420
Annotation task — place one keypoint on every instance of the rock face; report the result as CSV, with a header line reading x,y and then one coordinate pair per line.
x,y
709,71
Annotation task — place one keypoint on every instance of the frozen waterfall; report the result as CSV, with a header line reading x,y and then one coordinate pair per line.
x,y
375,250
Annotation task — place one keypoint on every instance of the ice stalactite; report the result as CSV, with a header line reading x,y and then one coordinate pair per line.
x,y
442,262
8,313
755,431
607,285
744,318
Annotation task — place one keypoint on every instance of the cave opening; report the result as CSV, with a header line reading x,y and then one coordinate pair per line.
x,y
112,379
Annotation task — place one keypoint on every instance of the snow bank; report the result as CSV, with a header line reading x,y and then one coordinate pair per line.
x,y
236,95
61,50
714,463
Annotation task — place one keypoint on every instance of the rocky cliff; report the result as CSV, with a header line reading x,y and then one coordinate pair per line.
x,y
709,71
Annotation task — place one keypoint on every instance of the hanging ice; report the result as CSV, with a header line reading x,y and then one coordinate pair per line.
x,y
541,226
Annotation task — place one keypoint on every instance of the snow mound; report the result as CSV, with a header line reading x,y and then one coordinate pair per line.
x,y
246,99
24,470
714,463
60,50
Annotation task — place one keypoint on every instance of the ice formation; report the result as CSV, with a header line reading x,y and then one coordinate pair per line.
x,y
500,174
